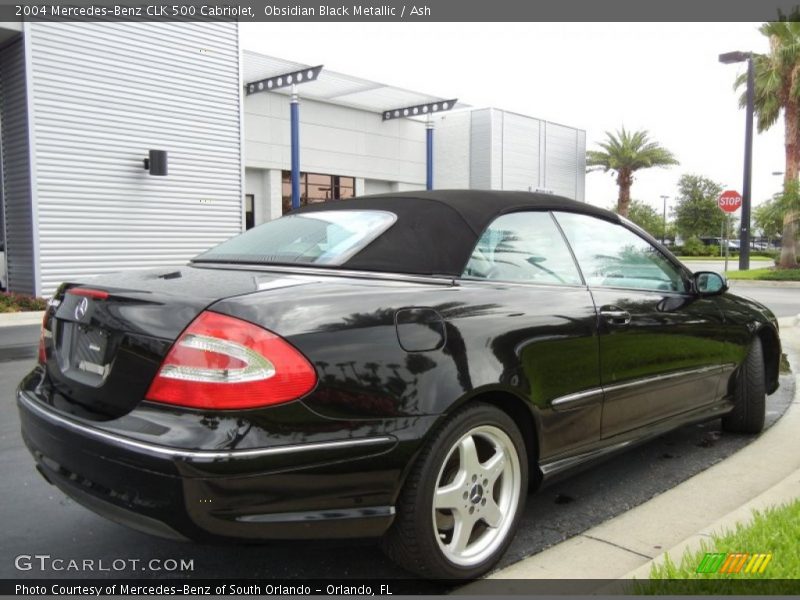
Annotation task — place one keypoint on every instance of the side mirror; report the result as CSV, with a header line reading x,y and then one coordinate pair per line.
x,y
709,283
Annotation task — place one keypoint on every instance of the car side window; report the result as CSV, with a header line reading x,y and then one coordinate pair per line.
x,y
524,247
611,255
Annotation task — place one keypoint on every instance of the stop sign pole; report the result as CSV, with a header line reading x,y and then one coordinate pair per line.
x,y
729,202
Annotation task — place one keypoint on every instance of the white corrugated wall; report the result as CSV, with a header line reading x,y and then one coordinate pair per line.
x,y
520,152
103,95
561,160
451,150
480,142
508,151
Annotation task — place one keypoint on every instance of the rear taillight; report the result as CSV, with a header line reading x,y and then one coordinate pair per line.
x,y
42,351
221,362
42,334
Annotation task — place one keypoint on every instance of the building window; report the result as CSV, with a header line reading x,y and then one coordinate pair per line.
x,y
249,211
316,187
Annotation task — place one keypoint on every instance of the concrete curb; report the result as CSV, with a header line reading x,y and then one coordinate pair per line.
x,y
784,492
678,519
21,318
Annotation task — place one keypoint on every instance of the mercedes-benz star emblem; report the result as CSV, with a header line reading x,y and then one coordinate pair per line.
x,y
476,493
80,310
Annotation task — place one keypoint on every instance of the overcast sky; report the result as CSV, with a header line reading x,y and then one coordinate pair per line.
x,y
663,77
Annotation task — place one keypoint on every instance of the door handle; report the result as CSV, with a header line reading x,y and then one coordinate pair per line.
x,y
616,317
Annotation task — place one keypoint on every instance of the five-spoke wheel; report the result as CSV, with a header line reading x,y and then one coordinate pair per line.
x,y
477,491
461,503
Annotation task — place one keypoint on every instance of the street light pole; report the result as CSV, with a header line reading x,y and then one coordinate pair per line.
x,y
744,231
664,226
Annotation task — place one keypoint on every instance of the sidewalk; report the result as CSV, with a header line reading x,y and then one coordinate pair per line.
x,y
763,473
19,335
20,318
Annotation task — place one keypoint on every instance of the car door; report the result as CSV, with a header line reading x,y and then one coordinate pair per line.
x,y
661,345
541,329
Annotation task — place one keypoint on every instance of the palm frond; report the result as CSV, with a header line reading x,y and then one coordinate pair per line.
x,y
629,151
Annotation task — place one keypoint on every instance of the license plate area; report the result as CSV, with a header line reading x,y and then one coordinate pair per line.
x,y
83,352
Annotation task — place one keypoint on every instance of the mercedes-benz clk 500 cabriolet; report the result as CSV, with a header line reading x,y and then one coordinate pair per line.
x,y
400,366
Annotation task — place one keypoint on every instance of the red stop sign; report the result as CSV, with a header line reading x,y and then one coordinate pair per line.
x,y
729,201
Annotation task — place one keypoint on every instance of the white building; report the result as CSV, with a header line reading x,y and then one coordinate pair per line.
x,y
500,150
82,104
348,149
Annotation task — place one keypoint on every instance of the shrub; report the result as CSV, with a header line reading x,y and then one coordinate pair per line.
x,y
12,302
694,247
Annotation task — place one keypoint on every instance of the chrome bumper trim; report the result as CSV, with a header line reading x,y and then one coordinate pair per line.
x,y
198,455
320,515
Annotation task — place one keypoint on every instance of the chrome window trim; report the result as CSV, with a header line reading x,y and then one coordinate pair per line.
x,y
333,271
202,455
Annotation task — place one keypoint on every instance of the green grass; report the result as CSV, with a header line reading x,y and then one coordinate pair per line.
x,y
774,531
11,302
771,274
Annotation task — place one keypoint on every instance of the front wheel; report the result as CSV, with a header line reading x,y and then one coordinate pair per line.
x,y
462,501
749,397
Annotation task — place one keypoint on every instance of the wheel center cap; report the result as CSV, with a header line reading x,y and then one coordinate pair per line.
x,y
476,493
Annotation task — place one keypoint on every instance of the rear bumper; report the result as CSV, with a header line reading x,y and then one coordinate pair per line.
x,y
325,489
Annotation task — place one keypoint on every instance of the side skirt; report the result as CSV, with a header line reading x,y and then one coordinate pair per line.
x,y
608,447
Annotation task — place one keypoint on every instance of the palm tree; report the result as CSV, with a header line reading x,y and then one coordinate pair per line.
x,y
625,153
777,90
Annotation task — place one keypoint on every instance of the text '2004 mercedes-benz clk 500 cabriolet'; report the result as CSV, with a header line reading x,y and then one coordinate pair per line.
x,y
403,366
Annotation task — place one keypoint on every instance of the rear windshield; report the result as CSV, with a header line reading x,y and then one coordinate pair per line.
x,y
316,238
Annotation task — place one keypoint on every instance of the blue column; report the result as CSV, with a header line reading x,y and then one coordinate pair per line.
x,y
295,118
429,149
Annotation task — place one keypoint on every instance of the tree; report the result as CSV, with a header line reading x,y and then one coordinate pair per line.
x,y
646,217
696,212
625,153
777,90
768,219
782,208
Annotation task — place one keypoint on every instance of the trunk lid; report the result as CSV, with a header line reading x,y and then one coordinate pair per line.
x,y
107,337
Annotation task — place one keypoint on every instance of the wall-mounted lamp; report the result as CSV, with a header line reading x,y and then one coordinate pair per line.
x,y
156,163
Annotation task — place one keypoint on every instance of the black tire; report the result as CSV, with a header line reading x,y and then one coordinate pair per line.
x,y
417,540
749,395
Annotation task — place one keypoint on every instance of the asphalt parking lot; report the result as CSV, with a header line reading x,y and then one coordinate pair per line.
x,y
38,519
783,301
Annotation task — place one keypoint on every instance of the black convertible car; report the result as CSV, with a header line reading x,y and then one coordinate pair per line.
x,y
398,365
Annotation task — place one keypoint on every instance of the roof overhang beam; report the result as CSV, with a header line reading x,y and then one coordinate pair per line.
x,y
419,110
283,80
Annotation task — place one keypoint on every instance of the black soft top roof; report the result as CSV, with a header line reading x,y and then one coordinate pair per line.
x,y
436,231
